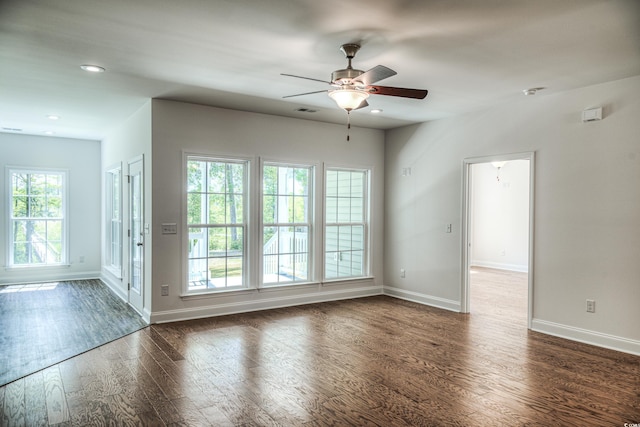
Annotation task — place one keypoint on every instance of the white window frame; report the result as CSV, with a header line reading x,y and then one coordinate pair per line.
x,y
64,234
113,220
245,224
309,224
365,223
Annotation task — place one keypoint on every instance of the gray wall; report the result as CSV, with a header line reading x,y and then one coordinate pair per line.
x,y
180,128
587,207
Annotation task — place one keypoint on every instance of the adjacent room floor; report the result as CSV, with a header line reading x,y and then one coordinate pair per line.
x,y
376,361
43,324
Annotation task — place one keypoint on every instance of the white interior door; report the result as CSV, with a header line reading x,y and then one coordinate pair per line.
x,y
136,235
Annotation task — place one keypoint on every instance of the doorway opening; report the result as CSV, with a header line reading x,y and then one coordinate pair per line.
x,y
498,234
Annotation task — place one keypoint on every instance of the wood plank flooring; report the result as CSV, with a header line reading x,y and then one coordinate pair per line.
x,y
375,361
45,323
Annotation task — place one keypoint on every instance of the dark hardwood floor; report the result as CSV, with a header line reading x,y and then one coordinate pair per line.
x,y
372,361
45,323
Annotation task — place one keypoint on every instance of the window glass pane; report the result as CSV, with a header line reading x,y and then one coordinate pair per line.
x,y
344,238
301,267
234,241
270,180
331,265
235,178
301,182
36,207
357,266
331,204
285,239
37,184
217,272
299,209
195,208
217,208
54,230
285,267
19,183
331,238
234,271
217,242
235,212
20,207
344,184
54,207
285,209
344,209
197,243
357,213
357,184
269,209
217,178
195,173
332,184
198,273
270,269
344,264
357,237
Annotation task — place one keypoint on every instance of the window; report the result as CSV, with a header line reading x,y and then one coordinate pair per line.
x,y
286,219
346,210
113,216
37,218
216,222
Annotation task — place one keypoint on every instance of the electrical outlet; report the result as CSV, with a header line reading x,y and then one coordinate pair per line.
x,y
402,273
164,290
591,306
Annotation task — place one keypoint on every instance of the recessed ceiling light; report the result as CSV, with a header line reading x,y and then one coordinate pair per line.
x,y
532,91
49,132
92,68
376,111
53,117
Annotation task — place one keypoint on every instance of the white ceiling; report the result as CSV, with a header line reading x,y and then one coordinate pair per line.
x,y
469,54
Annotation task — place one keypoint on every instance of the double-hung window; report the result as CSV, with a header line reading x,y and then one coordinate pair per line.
x,y
216,223
287,213
346,223
37,217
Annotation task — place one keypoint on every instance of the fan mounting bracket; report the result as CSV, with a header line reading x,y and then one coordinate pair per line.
x,y
350,50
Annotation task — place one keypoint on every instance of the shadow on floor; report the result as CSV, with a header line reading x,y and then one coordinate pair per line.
x,y
43,324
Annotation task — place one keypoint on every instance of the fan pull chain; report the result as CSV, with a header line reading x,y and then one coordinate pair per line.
x,y
348,124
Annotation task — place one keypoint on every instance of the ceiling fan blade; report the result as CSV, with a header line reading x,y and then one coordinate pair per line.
x,y
398,91
306,78
377,73
306,93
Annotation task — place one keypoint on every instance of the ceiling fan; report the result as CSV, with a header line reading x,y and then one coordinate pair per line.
x,y
352,87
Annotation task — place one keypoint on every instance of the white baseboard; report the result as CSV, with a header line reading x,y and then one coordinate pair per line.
x,y
612,342
422,298
501,266
51,276
115,285
262,304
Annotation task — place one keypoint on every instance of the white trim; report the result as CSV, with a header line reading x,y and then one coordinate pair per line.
x,y
51,277
586,336
424,299
263,304
500,266
116,285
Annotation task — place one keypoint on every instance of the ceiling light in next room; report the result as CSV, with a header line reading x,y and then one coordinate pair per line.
x,y
92,68
53,117
376,111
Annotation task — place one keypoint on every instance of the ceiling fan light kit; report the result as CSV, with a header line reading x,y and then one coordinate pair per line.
x,y
349,99
352,87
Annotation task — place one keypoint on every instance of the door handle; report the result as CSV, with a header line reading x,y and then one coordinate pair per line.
x,y
139,244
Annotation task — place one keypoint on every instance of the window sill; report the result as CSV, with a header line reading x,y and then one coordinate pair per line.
x,y
36,267
216,293
332,282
